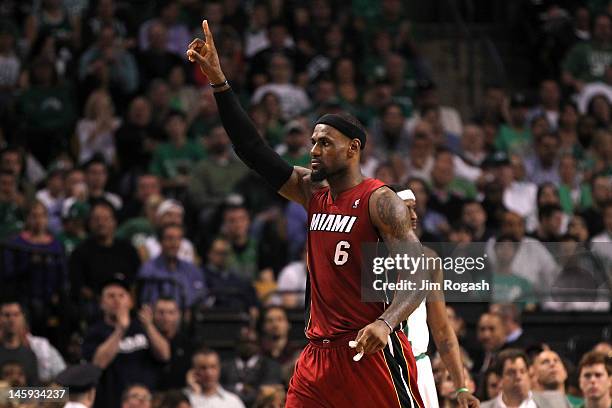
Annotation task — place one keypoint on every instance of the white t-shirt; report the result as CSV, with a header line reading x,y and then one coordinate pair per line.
x,y
220,399
418,331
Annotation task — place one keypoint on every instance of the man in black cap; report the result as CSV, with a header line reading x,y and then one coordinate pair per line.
x,y
81,381
127,350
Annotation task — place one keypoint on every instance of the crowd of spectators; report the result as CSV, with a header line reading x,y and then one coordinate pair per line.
x,y
126,218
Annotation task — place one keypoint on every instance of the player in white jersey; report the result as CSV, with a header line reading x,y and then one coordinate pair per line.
x,y
433,311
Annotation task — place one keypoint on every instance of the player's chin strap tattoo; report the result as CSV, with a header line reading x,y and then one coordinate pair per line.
x,y
248,144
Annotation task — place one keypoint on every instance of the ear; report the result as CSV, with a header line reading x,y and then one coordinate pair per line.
x,y
354,148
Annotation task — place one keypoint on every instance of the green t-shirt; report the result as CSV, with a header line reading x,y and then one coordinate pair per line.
x,y
588,61
136,230
303,160
512,141
47,108
69,241
512,288
567,202
245,262
170,161
575,402
11,220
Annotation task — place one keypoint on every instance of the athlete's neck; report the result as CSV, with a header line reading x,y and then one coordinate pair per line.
x,y
344,181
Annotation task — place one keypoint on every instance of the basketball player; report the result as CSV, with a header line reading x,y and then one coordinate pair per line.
x,y
433,312
346,212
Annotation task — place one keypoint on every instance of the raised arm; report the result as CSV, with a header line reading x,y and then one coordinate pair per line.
x,y
390,216
291,182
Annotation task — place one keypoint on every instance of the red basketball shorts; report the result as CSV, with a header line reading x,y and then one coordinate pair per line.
x,y
327,377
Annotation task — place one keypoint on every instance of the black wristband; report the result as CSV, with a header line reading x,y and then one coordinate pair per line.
x,y
221,85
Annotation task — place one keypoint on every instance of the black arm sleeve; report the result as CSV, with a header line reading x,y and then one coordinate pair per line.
x,y
248,144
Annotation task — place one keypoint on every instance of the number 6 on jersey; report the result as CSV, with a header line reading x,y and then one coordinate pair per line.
x,y
341,256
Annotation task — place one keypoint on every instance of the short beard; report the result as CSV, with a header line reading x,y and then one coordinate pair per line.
x,y
318,176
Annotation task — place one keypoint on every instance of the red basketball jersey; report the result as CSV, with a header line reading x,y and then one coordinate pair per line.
x,y
336,231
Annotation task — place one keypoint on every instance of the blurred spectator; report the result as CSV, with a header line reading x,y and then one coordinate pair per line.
x,y
583,283
215,176
474,216
168,320
244,249
96,131
174,399
391,134
515,136
532,261
226,289
602,243
147,186
35,267
156,61
292,283
549,223
510,314
101,256
599,108
10,65
577,228
96,177
594,372
587,61
127,350
432,224
45,111
428,98
472,152
203,388
52,196
138,229
249,369
549,103
158,94
543,165
270,396
293,99
448,193
136,396
491,338
52,16
275,340
445,386
278,42
13,373
420,158
169,276
568,129
177,37
508,287
294,149
441,137
105,14
73,223
573,193
492,385
601,191
13,344
512,366
183,96
169,212
548,373
135,138
173,161
107,63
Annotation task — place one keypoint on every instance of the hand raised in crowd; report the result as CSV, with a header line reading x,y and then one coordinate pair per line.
x,y
145,314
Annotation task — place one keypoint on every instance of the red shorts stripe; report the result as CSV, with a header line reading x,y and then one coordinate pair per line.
x,y
327,377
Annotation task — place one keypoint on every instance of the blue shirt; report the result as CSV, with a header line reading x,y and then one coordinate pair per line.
x,y
185,283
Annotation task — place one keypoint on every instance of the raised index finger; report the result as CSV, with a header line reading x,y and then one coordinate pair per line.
x,y
207,33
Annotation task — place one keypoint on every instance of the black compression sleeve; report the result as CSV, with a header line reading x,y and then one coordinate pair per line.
x,y
248,144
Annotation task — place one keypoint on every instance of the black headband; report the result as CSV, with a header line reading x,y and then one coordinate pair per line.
x,y
343,126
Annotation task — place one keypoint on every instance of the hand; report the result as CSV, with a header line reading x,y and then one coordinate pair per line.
x,y
145,315
190,379
123,319
372,338
205,54
467,400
